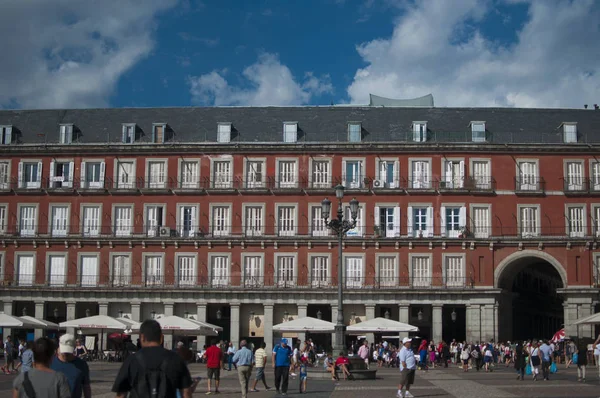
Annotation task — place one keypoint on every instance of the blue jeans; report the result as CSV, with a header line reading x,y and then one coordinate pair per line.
x,y
230,361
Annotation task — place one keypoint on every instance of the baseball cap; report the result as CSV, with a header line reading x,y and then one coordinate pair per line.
x,y
406,340
66,344
284,341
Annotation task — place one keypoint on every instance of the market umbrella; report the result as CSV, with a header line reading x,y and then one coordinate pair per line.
x,y
101,322
40,323
9,321
381,325
588,320
305,324
181,326
559,336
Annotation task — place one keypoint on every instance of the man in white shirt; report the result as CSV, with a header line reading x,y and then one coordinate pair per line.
x,y
408,366
363,352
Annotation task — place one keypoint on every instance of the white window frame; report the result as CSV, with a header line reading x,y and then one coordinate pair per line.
x,y
188,180
5,175
419,131
569,132
224,132
320,179
3,218
478,131
353,281
128,133
280,172
187,280
249,229
595,215
528,181
120,231
57,280
29,231
98,221
594,175
454,280
6,136
356,182
194,225
317,225
319,280
157,181
250,175
65,133
117,167
462,220
253,280
2,265
350,127
84,178
359,229
386,281
423,182
451,180
420,280
88,280
574,182
283,228
219,179
290,132
223,280
158,280
576,228
155,127
396,223
411,231
481,181
529,234
63,181
125,279
286,283
488,223
59,232
30,279
152,228
226,229
34,184
381,173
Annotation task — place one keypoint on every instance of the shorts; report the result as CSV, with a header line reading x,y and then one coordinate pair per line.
x,y
8,358
407,377
465,361
216,372
260,373
303,377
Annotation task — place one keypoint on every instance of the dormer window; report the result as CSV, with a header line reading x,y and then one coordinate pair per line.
x,y
478,131
419,131
5,135
290,132
128,136
569,132
224,132
158,132
65,134
354,132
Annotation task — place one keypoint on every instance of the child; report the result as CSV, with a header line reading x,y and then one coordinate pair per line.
x,y
303,375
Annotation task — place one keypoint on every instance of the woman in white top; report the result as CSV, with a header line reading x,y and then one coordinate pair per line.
x,y
535,359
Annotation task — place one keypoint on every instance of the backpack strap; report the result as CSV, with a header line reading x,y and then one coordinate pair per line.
x,y
27,386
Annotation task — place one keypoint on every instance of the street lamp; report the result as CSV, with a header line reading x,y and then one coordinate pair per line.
x,y
420,315
453,315
340,227
219,314
55,313
319,314
285,316
153,314
387,314
24,311
120,313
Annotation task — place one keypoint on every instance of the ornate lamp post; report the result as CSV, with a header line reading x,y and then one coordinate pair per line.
x,y
340,226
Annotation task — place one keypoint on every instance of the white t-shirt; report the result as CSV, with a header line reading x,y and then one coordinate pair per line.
x,y
407,356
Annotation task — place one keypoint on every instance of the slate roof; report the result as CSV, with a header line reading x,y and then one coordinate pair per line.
x,y
315,124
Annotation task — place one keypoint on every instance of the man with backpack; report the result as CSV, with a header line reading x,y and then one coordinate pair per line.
x,y
153,372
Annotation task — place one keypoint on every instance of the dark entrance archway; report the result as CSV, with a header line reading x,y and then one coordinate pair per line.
x,y
531,306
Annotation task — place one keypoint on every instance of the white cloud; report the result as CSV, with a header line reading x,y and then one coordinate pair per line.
x,y
555,62
268,83
68,53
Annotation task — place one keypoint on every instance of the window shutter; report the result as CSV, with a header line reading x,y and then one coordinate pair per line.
x,y
462,217
360,222
461,166
124,135
82,171
8,135
397,221
443,221
448,176
396,174
344,173
416,133
194,223
52,168
154,134
102,170
20,175
71,173
376,216
430,221
409,221
39,175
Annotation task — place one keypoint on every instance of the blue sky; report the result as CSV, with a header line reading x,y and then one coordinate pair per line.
x,y
299,52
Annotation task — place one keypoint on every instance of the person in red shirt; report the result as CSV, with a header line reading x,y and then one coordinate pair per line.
x,y
342,363
213,357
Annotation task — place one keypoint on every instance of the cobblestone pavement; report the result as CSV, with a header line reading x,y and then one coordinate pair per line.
x,y
438,383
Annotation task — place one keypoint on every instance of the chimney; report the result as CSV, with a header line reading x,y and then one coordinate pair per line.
x,y
585,106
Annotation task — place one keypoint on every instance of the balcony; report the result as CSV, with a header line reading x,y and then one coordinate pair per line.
x,y
382,187
420,185
258,283
186,186
473,185
221,184
277,185
530,186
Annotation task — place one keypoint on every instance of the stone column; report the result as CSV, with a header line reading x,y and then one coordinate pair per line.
x,y
103,310
487,322
404,314
168,341
200,316
234,323
473,323
135,316
436,318
8,310
585,330
39,314
71,315
370,314
268,326
302,311
334,312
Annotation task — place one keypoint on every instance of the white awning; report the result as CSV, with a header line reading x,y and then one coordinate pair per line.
x,y
588,320
97,322
306,324
40,323
9,321
174,324
381,325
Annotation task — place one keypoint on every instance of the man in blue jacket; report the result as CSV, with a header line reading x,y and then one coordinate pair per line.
x,y
281,363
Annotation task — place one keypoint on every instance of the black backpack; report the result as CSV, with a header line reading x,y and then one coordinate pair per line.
x,y
150,382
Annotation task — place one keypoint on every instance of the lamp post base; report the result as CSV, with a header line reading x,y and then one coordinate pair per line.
x,y
340,339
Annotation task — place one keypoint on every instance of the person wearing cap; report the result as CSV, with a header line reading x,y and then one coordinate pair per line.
x,y
243,359
75,369
408,367
281,363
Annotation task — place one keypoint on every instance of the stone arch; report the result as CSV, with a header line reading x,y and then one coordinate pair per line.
x,y
506,264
